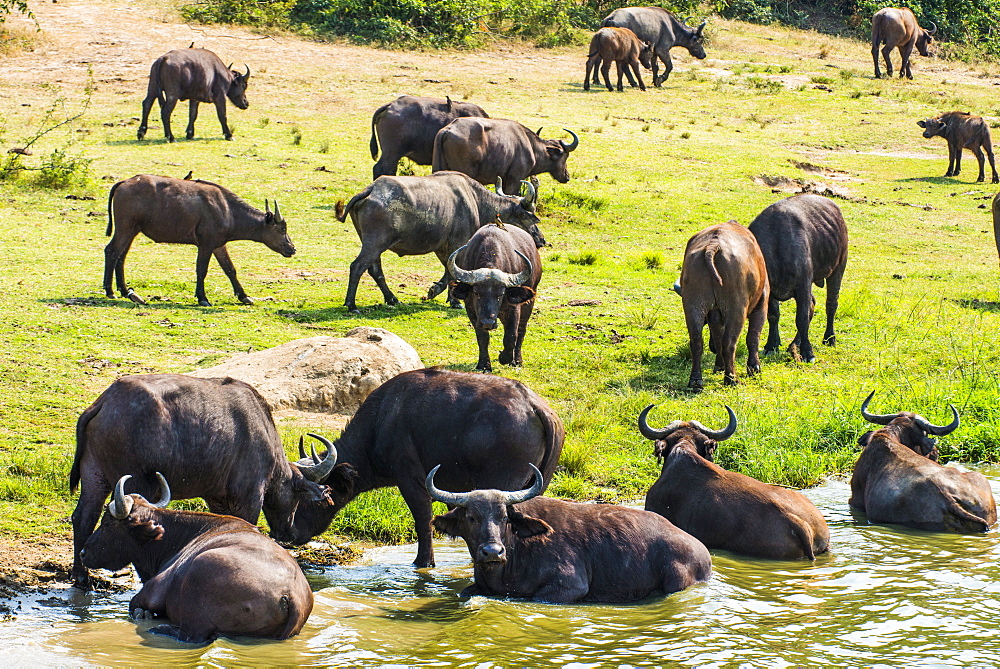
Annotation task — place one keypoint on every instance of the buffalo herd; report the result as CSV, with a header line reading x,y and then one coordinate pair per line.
x,y
485,446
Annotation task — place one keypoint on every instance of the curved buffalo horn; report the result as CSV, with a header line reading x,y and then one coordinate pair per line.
x,y
938,430
449,498
528,201
476,276
318,472
931,32
522,278
701,27
247,75
267,207
719,435
652,433
121,505
164,492
534,491
462,275
572,145
277,214
302,451
539,131
499,186
877,419
687,20
230,66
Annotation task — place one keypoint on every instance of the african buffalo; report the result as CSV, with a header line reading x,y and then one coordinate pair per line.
x,y
725,509
897,27
196,75
214,438
488,149
406,128
432,214
619,46
181,211
208,575
897,478
723,283
550,550
962,131
662,30
804,241
499,279
488,429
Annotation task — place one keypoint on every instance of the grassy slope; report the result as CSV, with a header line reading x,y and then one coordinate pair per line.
x,y
919,312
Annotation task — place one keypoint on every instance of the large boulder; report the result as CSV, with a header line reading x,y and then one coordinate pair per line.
x,y
322,374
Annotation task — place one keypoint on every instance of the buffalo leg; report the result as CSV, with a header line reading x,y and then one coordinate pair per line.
x,y
114,263
695,325
167,105
375,272
93,491
904,65
419,503
638,75
361,265
592,63
716,331
727,347
192,116
605,70
878,72
147,106
958,162
620,69
887,54
773,332
982,164
951,161
220,107
988,147
597,69
222,255
201,270
511,352
387,164
483,341
668,66
832,302
754,327
803,317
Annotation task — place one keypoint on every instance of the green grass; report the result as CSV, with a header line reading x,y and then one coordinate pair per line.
x,y
618,231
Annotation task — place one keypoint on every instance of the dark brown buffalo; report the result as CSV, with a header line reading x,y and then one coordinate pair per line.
x,y
196,75
490,148
897,478
619,46
181,211
214,438
962,131
804,242
662,30
898,27
723,283
208,575
488,429
549,550
496,275
432,214
725,509
406,128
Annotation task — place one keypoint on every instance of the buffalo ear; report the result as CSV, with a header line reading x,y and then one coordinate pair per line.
x,y
922,124
864,439
526,526
708,450
342,480
450,523
146,531
313,492
460,290
554,151
519,294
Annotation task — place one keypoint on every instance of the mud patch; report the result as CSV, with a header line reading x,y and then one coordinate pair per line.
x,y
826,172
320,554
794,185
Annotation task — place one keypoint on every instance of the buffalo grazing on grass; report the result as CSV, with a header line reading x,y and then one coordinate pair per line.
x,y
898,27
662,30
621,47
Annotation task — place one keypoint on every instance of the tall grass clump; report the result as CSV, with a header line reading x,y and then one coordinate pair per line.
x,y
583,258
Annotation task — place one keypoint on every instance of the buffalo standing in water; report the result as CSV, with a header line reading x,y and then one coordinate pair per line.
x,y
196,75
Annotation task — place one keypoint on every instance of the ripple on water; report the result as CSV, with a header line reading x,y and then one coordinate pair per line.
x,y
883,594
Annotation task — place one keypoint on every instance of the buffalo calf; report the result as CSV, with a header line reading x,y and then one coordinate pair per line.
x,y
208,575
549,550
619,46
196,75
897,478
962,131
501,275
804,241
725,509
723,283
182,211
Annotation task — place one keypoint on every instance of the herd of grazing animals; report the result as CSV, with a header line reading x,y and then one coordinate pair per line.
x,y
486,446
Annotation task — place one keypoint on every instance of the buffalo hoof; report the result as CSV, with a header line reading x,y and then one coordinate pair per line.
x,y
830,341
140,134
996,180
189,135
354,311
244,299
229,138
752,370
771,350
204,303
730,381
455,304
142,614
695,385
488,369
82,581
170,139
392,301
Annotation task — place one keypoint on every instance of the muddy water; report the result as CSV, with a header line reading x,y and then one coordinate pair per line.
x,y
883,594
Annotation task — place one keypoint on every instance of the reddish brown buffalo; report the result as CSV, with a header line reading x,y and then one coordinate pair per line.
x,y
723,283
621,46
897,478
724,509
898,28
962,131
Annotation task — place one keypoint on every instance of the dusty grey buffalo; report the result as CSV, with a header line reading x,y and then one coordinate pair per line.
x,y
898,27
432,214
181,211
897,478
804,242
725,509
196,75
662,30
723,283
214,438
208,575
962,131
496,275
619,46
488,429
405,128
488,149
549,550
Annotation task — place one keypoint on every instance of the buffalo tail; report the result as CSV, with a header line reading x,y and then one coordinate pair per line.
x,y
803,532
966,517
437,161
343,211
111,195
710,263
373,143
81,443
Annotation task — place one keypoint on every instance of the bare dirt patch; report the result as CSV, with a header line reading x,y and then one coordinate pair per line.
x,y
783,184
